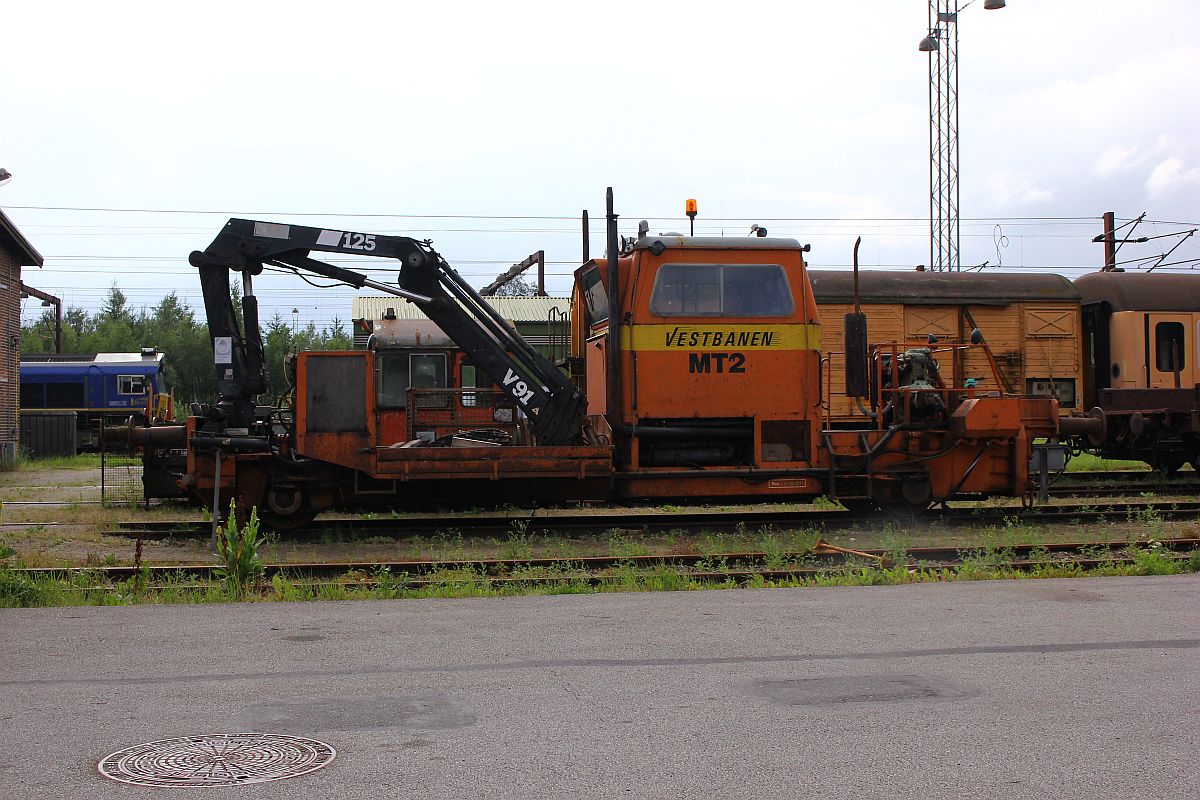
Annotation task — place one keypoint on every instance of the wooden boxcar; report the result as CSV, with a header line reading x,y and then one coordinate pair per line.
x,y
1030,322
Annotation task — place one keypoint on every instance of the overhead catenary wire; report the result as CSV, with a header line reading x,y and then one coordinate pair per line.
x,y
93,262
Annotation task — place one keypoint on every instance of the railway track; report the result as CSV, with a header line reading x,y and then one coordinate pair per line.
x,y
1068,484
822,559
560,523
1094,484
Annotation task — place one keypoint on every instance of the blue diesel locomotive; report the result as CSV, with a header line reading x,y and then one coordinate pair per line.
x,y
100,387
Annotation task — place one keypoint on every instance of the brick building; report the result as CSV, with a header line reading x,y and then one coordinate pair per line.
x,y
15,252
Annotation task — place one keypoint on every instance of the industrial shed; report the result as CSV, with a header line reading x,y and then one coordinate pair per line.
x,y
544,322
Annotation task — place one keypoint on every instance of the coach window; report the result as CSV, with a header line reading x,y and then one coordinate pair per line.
x,y
721,290
131,384
1169,348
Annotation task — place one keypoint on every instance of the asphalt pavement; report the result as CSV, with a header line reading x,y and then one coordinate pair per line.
x,y
1084,688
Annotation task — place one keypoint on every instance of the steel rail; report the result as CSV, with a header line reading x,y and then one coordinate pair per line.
x,y
565,568
741,520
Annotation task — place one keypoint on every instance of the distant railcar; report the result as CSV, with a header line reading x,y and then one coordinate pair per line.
x,y
101,387
1142,332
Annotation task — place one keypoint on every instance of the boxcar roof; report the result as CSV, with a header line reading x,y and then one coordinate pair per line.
x,y
941,288
1141,291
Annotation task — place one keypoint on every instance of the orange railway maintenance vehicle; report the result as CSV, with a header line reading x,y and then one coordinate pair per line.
x,y
698,374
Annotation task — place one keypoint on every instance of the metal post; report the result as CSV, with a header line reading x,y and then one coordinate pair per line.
x,y
613,345
1110,241
587,244
216,503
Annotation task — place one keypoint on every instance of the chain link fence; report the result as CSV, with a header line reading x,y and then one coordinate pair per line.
x,y
120,475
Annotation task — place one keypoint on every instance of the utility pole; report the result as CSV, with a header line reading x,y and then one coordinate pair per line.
x,y
1110,241
1112,244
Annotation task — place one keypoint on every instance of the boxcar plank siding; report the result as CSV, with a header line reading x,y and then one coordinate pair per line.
x,y
1028,339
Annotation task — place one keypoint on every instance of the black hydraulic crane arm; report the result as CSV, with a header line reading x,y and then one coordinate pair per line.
x,y
554,405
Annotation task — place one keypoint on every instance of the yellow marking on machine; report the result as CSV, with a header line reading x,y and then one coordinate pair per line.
x,y
795,336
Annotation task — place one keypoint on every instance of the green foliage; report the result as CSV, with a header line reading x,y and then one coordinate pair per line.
x,y
1086,462
83,461
1154,559
237,547
517,286
519,544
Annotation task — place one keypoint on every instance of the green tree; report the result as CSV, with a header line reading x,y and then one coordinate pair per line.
x,y
172,328
518,286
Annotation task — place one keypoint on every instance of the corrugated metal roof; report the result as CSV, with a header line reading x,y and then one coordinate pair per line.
x,y
938,288
1147,291
516,309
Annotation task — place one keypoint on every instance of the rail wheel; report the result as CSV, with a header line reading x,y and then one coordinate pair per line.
x,y
285,509
904,510
913,499
1170,463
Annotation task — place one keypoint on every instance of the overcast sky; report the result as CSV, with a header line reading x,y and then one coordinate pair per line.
x,y
488,128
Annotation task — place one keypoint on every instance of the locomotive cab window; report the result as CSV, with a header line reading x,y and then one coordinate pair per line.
x,y
131,384
396,372
1169,348
721,290
594,296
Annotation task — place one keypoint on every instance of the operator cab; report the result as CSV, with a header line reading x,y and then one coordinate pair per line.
x,y
719,351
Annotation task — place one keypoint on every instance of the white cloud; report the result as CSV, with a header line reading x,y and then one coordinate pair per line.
x,y
1118,158
1169,176
1012,188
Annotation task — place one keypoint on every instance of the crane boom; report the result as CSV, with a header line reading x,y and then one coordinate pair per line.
x,y
552,402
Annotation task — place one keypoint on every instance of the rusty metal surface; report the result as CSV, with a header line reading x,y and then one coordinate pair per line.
x,y
1133,291
1150,400
940,288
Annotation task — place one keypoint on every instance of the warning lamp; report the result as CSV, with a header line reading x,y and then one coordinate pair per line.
x,y
689,208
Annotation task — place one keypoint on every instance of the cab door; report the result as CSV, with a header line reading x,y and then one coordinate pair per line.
x,y
1171,351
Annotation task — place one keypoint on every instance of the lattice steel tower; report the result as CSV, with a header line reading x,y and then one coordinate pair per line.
x,y
942,46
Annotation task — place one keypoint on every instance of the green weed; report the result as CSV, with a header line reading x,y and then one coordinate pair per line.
x,y
237,548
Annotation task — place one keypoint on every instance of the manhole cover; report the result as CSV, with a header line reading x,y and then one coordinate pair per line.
x,y
219,759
